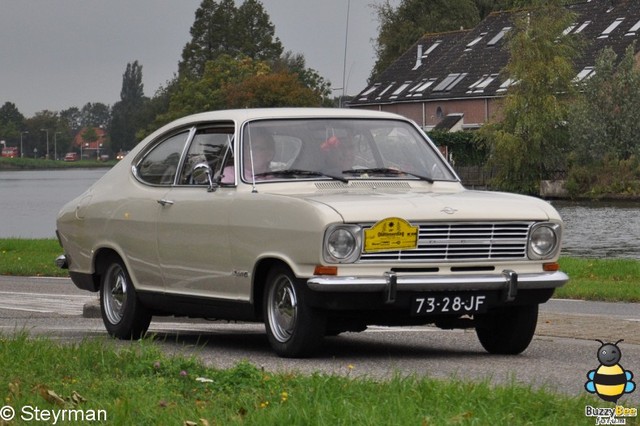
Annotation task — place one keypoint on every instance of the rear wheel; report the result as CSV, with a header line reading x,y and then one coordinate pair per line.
x,y
507,331
293,328
123,315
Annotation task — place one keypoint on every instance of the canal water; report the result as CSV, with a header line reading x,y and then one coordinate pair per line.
x,y
30,200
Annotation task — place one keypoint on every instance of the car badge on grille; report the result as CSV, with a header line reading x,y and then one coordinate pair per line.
x,y
449,210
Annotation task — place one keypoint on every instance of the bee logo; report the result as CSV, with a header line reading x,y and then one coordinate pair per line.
x,y
609,381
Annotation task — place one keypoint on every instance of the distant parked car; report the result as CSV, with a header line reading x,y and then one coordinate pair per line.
x,y
120,155
315,221
10,152
71,156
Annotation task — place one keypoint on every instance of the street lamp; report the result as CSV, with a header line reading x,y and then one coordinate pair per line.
x,y
47,131
21,151
55,145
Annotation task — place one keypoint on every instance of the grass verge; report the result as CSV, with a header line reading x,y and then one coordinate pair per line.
x,y
612,280
139,382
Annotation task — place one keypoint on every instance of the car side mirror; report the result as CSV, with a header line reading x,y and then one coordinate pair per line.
x,y
203,175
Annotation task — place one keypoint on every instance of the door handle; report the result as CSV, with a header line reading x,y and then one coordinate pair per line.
x,y
165,202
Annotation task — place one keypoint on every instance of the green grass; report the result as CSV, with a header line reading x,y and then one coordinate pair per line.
x,y
30,257
138,384
590,279
601,279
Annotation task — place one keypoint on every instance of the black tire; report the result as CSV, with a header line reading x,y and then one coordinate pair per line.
x,y
294,329
123,315
507,331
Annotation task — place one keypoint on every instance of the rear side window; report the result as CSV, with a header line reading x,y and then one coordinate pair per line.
x,y
159,166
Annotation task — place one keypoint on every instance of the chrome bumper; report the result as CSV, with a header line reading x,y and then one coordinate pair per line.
x,y
61,262
390,283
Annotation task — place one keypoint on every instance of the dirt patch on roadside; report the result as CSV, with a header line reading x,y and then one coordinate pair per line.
x,y
588,327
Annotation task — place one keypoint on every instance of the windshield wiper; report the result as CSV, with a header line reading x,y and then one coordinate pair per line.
x,y
299,172
388,171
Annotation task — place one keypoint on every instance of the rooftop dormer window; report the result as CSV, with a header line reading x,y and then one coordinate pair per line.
x,y
449,82
585,74
582,27
475,41
611,27
498,36
633,30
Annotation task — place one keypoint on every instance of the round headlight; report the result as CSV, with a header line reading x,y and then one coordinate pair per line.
x,y
341,243
543,241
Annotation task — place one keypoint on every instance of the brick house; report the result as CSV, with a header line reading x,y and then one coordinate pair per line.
x,y
91,149
452,81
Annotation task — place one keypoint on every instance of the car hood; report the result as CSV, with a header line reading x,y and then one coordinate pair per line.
x,y
464,205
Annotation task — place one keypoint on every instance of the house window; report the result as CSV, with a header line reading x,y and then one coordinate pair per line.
x,y
439,113
498,36
569,29
582,27
432,48
369,91
504,86
449,82
611,27
633,30
419,88
399,90
480,85
475,41
586,73
381,94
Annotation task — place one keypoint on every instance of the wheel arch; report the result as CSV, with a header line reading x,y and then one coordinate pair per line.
x,y
260,274
101,260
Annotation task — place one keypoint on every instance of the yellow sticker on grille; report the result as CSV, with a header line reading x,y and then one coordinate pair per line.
x,y
391,233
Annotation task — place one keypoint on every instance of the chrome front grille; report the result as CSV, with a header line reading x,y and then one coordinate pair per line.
x,y
457,242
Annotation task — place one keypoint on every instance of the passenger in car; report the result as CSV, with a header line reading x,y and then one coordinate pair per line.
x,y
338,153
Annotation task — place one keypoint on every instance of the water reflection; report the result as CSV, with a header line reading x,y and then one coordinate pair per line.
x,y
601,229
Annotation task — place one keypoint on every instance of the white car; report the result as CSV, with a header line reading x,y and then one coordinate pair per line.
x,y
315,221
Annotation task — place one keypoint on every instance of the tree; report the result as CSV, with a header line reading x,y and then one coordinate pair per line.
x,y
126,113
296,64
11,122
612,95
400,28
222,29
528,143
271,90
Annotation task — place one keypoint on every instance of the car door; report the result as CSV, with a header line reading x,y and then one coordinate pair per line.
x,y
154,174
193,224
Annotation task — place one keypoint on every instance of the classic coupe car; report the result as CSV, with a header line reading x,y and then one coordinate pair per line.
x,y
314,221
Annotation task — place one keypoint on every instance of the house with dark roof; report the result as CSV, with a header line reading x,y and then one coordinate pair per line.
x,y
455,77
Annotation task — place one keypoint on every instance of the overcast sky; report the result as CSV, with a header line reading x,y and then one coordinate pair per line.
x,y
55,54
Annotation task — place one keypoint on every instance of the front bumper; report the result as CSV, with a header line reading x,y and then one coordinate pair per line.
x,y
509,282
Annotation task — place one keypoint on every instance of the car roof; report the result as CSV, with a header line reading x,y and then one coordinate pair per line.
x,y
241,115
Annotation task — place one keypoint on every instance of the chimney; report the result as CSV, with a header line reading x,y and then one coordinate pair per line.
x,y
418,58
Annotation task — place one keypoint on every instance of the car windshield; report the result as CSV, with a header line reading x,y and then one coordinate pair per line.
x,y
340,149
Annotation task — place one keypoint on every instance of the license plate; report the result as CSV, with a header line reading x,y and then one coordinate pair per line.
x,y
453,303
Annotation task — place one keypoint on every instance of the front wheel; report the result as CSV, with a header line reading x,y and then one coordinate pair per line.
x,y
293,328
123,315
507,331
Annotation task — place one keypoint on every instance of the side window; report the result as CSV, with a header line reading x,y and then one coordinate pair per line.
x,y
159,166
211,146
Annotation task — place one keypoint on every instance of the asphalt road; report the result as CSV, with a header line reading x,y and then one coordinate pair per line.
x,y
562,352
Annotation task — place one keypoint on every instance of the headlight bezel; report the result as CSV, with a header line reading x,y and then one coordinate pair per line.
x,y
348,234
544,241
